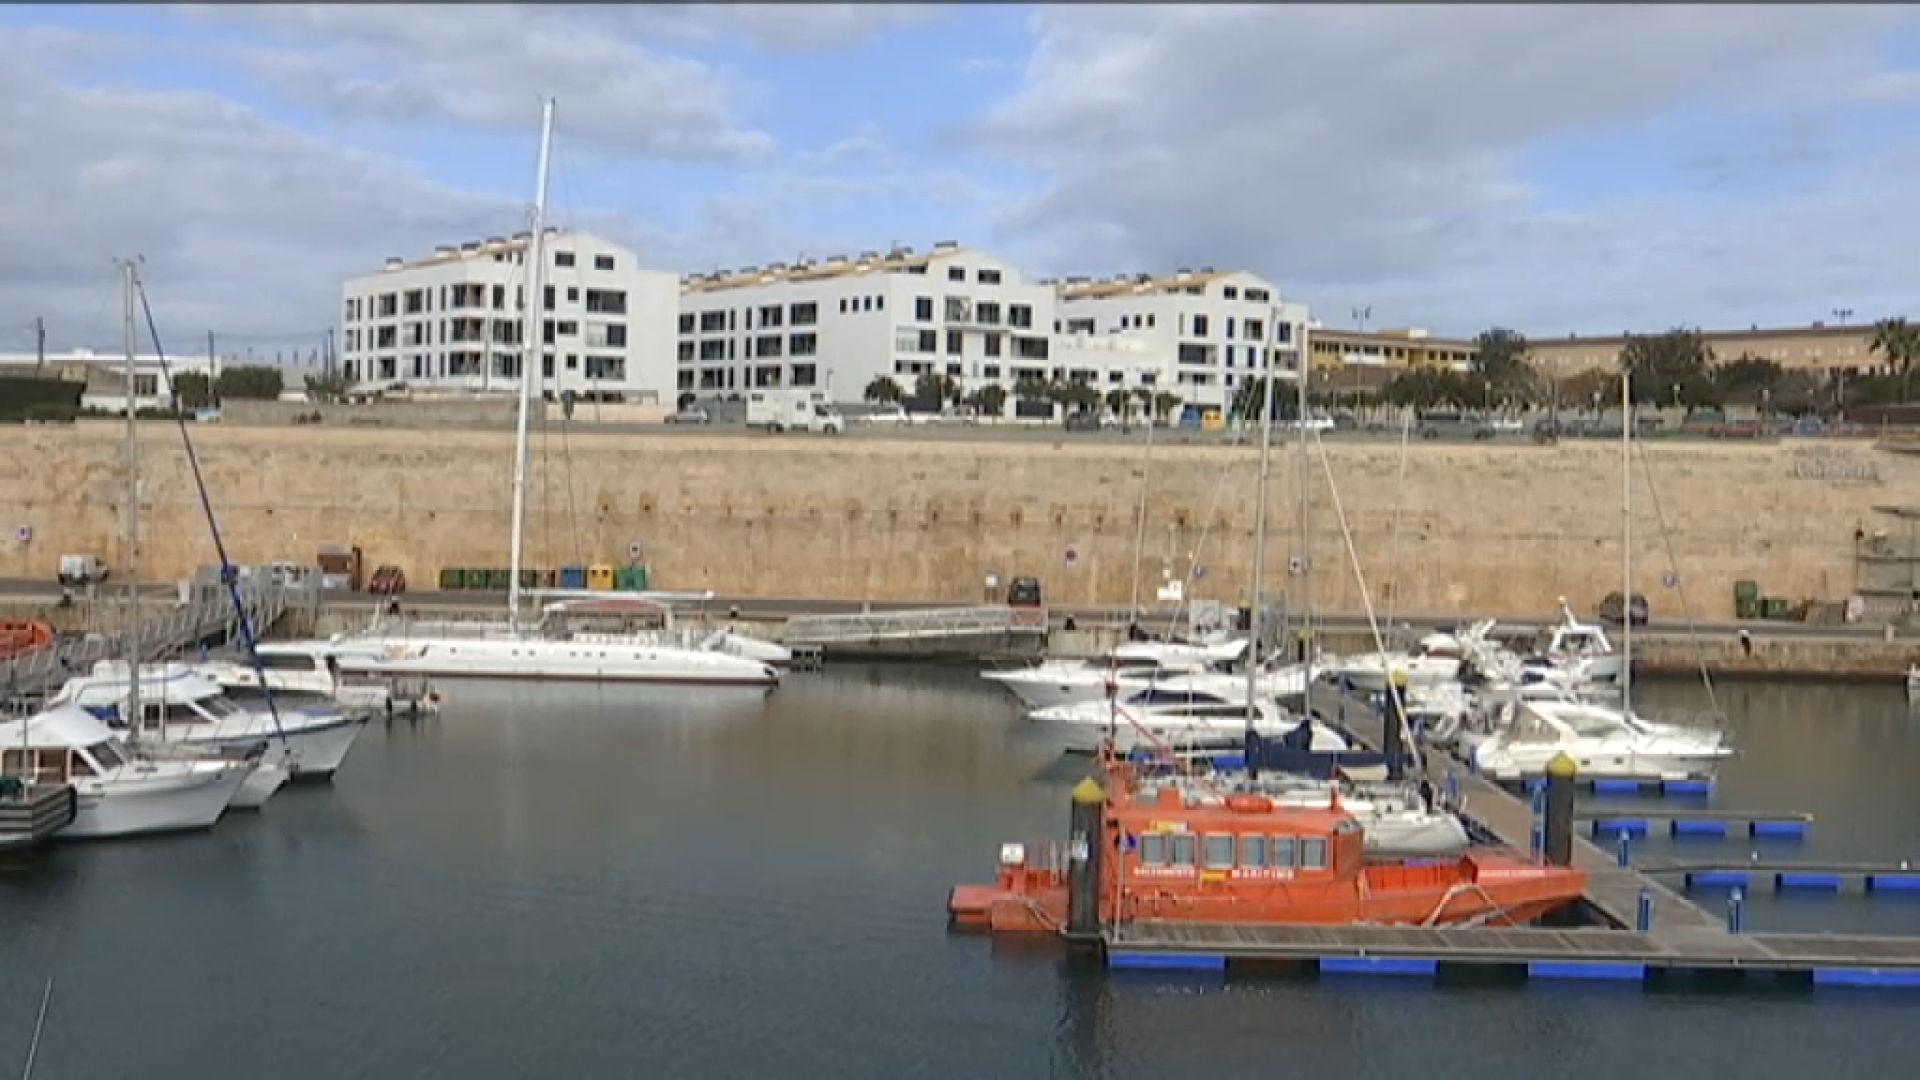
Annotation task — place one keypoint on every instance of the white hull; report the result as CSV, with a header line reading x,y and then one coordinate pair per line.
x,y
166,802
533,659
1042,689
266,778
315,750
1150,733
1497,763
1370,676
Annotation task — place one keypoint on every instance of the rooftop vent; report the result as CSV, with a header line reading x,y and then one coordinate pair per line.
x,y
523,234
750,269
867,255
1184,272
946,245
444,249
776,268
394,262
1206,269
836,260
496,239
471,245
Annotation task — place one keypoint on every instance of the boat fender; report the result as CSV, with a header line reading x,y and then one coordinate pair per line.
x,y
1249,804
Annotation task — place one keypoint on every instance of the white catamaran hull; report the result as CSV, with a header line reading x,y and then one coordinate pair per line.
x,y
1677,764
315,751
545,659
168,802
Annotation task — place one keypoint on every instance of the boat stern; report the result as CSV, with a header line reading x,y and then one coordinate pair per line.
x,y
1024,899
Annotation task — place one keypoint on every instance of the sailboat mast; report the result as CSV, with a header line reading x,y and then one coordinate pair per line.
x,y
1626,540
127,286
1303,365
533,348
1267,404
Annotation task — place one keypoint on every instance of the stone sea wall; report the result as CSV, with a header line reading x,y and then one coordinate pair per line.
x,y
1502,529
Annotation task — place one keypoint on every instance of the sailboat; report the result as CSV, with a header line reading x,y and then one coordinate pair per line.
x,y
1601,740
127,787
539,651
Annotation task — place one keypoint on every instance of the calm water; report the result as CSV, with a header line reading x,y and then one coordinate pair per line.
x,y
612,884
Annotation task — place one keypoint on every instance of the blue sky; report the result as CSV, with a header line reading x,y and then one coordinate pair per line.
x,y
1555,169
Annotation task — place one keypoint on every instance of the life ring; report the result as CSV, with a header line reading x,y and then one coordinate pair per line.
x,y
1249,804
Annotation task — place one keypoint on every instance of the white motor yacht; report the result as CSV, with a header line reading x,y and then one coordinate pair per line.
x,y
1435,660
1178,725
121,791
1576,652
303,668
192,709
1601,740
1132,665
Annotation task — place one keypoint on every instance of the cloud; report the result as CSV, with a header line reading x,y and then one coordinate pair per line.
x,y
245,226
486,66
1369,155
781,27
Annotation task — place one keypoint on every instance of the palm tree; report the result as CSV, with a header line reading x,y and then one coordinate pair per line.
x,y
884,391
1899,342
1164,403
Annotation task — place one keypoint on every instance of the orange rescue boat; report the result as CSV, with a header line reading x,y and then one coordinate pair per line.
x,y
23,636
1171,856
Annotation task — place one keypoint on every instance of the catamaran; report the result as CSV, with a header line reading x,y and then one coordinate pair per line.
x,y
1132,666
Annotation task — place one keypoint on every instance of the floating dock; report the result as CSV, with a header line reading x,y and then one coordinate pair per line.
x,y
1651,932
1702,823
1831,877
31,814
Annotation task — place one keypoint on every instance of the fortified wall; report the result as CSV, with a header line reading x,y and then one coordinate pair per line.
x,y
1491,528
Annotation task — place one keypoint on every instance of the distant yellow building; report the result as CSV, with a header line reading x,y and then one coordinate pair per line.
x,y
1388,349
1820,348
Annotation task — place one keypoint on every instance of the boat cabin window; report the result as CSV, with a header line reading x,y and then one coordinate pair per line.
x,y
1281,853
1224,708
153,712
1253,851
78,765
1153,849
104,753
1158,696
36,766
1313,853
218,706
1182,845
284,662
1218,851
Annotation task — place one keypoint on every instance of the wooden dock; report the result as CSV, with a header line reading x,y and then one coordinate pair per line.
x,y
1680,938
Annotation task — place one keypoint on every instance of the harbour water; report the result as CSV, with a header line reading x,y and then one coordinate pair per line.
x,y
618,883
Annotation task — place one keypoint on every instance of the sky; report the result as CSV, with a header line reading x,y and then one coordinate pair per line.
x,y
1555,169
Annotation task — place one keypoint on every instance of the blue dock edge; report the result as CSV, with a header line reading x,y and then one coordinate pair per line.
x,y
1677,789
1893,882
1682,827
1159,961
1611,971
1804,880
1784,830
1615,826
1719,879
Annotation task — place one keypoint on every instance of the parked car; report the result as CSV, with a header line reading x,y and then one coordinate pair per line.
x,y
691,415
1611,608
81,570
1083,421
1453,425
388,580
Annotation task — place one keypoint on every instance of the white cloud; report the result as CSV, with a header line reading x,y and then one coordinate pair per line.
x,y
485,66
780,27
1367,156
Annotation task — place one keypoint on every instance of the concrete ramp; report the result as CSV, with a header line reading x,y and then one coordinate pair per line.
x,y
993,628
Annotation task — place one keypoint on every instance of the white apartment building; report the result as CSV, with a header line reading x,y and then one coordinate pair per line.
x,y
454,321
839,323
1208,331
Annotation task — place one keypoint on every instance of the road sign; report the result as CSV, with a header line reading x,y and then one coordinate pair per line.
x,y
1073,557
23,534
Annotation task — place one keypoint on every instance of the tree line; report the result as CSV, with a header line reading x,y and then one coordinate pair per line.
x,y
194,390
933,391
1677,368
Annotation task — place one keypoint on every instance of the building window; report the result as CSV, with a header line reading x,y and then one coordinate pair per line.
x,y
802,345
987,313
923,309
603,262
686,352
989,277
843,305
573,294
958,309
1283,332
804,374
767,346
993,345
929,341
879,303
1259,296
1199,326
956,273
1020,316
606,302
806,314
991,371
563,258
1030,348
771,314
713,322
1256,330
1230,293
1229,328
686,322
713,349
954,342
